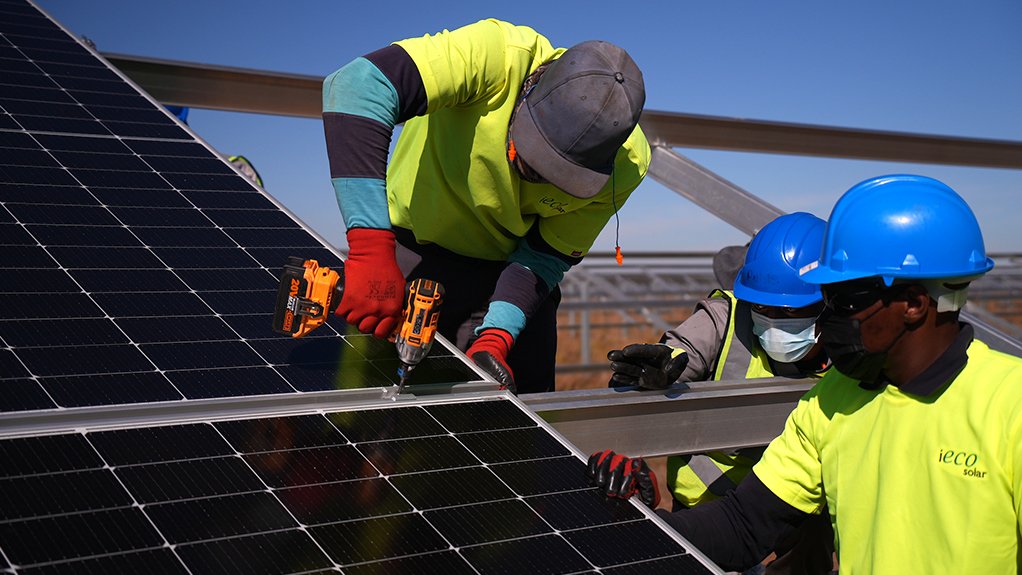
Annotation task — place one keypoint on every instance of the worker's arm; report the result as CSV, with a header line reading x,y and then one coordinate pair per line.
x,y
362,102
701,335
739,530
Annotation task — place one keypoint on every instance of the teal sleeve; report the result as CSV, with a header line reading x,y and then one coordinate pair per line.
x,y
547,267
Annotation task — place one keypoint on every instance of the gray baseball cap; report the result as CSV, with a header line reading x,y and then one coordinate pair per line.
x,y
573,122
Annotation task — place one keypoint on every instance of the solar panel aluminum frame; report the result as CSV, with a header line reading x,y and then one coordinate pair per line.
x,y
92,420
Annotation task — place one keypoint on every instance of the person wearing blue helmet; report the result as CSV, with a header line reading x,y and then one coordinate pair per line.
x,y
766,327
913,442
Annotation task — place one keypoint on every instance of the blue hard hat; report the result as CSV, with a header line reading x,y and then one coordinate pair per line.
x,y
900,226
779,250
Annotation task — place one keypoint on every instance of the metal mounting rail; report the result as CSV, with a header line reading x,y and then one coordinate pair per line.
x,y
260,91
696,418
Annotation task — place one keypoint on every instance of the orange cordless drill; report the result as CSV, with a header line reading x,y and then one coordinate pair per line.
x,y
308,294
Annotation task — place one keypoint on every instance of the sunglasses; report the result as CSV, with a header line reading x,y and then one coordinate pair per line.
x,y
850,298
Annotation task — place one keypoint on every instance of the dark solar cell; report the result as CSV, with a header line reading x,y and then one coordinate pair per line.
x,y
229,279
206,258
474,524
46,194
72,143
48,124
334,502
543,476
208,182
150,561
148,305
50,214
677,565
105,258
114,179
622,543
479,416
232,382
311,466
240,302
161,217
38,281
32,175
128,280
60,332
203,165
50,109
47,306
257,326
427,454
117,161
155,148
140,197
153,444
74,85
378,424
15,235
201,355
94,489
446,562
329,376
51,94
110,389
26,157
513,445
171,329
306,350
135,129
577,509
16,140
10,366
20,394
251,219
294,237
224,516
33,79
275,433
378,538
92,533
178,480
184,237
275,258
229,200
125,101
474,485
543,554
290,551
24,257
143,115
83,236
46,454
83,360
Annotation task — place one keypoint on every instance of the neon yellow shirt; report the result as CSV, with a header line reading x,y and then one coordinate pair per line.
x,y
914,484
449,180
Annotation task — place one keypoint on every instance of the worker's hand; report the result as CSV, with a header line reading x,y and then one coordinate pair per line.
x,y
648,365
490,351
373,284
621,477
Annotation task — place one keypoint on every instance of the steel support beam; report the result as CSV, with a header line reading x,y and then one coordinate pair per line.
x,y
701,417
711,192
258,91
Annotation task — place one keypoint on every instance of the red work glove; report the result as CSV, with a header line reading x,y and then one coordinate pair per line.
x,y
621,477
373,285
490,351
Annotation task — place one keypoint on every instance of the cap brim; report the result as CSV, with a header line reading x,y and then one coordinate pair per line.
x,y
821,275
547,161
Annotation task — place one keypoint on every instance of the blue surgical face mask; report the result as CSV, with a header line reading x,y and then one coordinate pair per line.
x,y
786,340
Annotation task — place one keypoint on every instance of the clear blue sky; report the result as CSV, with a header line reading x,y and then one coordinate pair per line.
x,y
937,67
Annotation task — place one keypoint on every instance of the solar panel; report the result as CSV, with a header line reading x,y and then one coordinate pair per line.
x,y
472,485
137,265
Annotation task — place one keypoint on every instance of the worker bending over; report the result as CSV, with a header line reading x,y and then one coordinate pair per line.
x,y
513,156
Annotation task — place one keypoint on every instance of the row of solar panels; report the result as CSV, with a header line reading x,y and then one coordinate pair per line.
x,y
139,268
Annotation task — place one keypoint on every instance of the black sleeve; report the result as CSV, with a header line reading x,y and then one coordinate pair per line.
x,y
738,531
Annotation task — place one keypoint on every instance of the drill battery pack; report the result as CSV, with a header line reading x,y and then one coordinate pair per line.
x,y
307,295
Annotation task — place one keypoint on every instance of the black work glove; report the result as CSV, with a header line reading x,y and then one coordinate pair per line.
x,y
621,477
648,365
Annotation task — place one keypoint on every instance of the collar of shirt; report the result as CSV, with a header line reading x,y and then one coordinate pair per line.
x,y
941,371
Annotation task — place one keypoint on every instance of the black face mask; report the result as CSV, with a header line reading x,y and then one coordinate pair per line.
x,y
842,340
